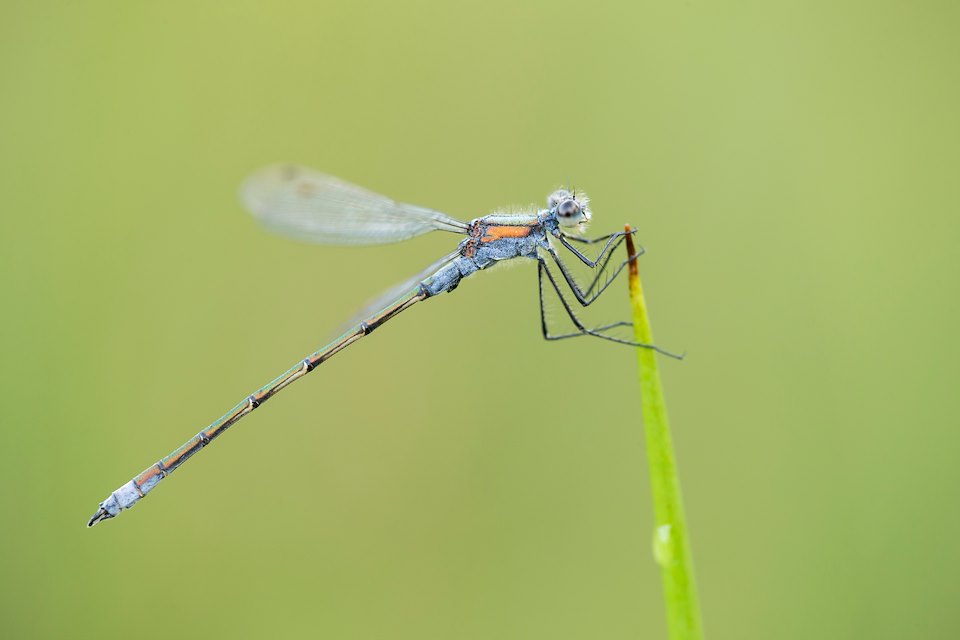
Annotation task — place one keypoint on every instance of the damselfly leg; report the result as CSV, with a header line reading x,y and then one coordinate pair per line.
x,y
588,295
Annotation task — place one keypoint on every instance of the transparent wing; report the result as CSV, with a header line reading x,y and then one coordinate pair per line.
x,y
309,205
393,293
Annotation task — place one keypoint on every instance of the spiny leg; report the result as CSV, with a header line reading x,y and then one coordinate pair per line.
x,y
610,239
613,241
597,239
600,329
583,330
586,296
541,267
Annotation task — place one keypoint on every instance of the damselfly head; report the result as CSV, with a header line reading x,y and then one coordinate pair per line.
x,y
571,209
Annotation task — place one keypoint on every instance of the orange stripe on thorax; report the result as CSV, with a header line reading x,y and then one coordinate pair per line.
x,y
496,233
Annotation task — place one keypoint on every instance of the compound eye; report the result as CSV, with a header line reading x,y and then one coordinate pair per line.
x,y
568,209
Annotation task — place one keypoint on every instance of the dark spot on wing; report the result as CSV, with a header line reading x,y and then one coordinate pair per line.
x,y
305,188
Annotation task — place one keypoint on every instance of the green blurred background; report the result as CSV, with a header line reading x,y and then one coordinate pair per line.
x,y
791,166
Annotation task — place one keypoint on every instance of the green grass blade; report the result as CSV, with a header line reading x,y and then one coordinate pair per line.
x,y
671,544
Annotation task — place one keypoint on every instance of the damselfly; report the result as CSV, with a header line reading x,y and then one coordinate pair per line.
x,y
313,206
